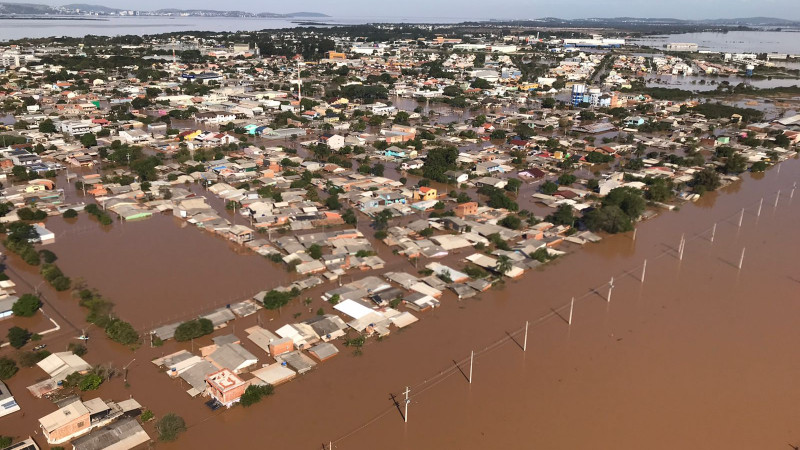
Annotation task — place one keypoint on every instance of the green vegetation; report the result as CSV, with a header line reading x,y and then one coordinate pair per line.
x,y
122,332
169,427
29,214
29,359
26,306
610,219
18,240
18,337
759,166
720,111
503,264
563,215
78,349
620,208
53,275
439,161
705,180
98,213
253,394
193,329
548,188
498,198
277,299
7,368
315,251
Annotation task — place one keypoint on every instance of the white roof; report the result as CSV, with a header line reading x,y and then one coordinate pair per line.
x,y
274,374
63,416
403,320
423,288
59,365
482,260
353,309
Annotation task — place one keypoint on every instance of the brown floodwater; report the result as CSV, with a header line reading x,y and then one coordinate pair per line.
x,y
697,356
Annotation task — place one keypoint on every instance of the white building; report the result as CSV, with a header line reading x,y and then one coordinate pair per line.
x,y
78,127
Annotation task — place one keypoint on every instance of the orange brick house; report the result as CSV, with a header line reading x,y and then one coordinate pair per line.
x,y
466,209
225,387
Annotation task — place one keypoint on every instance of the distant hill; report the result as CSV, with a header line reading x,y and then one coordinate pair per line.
x,y
294,14
613,21
25,8
39,9
212,12
91,8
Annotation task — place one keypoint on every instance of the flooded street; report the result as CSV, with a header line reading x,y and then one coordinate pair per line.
x,y
697,356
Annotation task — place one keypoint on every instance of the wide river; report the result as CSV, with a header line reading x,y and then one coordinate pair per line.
x,y
733,41
141,25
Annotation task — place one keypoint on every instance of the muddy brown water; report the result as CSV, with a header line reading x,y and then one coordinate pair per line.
x,y
697,356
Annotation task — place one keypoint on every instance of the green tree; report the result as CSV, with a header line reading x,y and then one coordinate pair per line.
x,y
503,264
70,214
660,190
567,179
548,188
47,126
439,161
169,427
736,163
193,329
511,221
758,166
90,382
513,185
628,199
705,180
315,251
88,140
276,299
18,337
611,219
122,332
7,368
253,394
26,306
562,216
481,83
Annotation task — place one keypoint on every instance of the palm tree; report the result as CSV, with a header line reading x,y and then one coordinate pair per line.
x,y
503,264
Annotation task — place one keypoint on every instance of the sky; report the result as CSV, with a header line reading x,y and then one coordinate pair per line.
x,y
484,10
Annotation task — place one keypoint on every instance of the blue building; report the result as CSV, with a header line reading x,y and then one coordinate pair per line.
x,y
578,91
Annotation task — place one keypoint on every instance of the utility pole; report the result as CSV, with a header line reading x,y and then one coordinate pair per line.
x,y
713,232
610,288
680,248
634,234
525,341
644,269
760,204
405,415
571,307
125,379
741,259
777,197
471,358
741,217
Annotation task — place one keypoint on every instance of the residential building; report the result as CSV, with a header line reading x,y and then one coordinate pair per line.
x,y
225,387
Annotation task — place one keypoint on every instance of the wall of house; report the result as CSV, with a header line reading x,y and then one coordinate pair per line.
x,y
77,425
